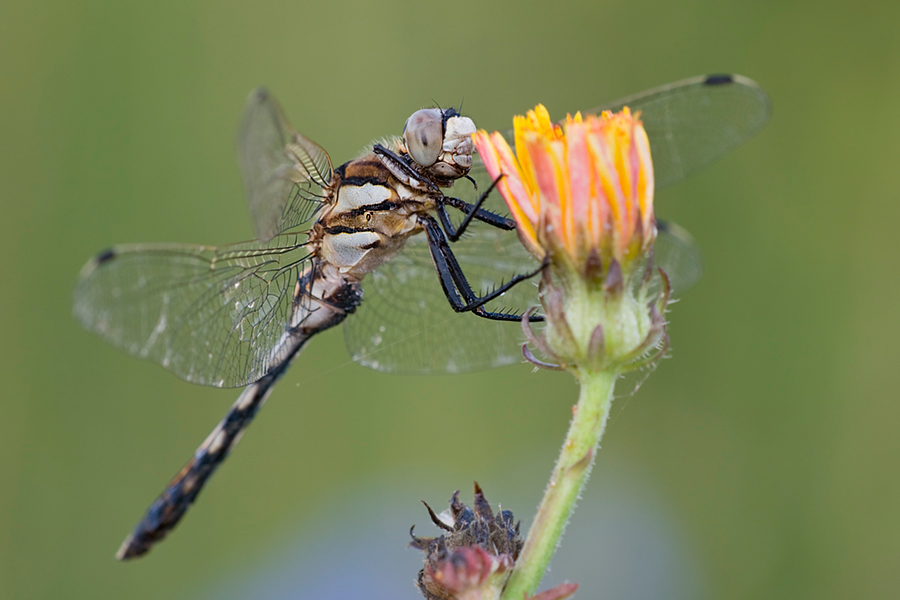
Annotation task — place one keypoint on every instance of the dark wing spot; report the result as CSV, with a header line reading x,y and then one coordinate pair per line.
x,y
105,256
718,79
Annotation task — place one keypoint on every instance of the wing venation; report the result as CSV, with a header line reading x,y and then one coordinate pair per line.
x,y
213,316
286,175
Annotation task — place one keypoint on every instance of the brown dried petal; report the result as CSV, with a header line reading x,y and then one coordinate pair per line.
x,y
478,545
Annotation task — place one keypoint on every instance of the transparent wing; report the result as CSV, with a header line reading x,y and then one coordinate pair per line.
x,y
678,255
286,175
691,123
213,316
406,325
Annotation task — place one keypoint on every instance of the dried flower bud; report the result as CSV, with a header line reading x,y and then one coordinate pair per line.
x,y
472,560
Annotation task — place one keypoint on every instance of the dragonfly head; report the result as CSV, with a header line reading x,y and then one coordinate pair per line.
x,y
440,142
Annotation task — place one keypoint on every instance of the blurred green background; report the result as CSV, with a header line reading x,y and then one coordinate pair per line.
x,y
766,448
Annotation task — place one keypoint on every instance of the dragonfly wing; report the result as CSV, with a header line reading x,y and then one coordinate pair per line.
x,y
678,255
286,175
693,122
406,324
213,316
689,123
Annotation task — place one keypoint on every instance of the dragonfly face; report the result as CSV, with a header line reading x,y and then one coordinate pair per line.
x,y
440,141
373,237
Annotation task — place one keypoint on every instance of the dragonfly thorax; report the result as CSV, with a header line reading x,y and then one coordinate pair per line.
x,y
375,201
369,216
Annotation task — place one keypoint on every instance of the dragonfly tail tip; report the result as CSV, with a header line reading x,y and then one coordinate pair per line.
x,y
129,549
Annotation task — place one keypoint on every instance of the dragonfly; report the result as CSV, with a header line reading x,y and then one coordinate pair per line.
x,y
376,239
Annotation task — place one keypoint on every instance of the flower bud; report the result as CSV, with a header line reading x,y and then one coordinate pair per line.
x,y
473,558
581,194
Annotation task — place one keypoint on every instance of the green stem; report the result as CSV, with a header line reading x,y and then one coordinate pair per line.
x,y
569,476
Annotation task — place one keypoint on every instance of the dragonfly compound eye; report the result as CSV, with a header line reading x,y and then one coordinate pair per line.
x,y
424,135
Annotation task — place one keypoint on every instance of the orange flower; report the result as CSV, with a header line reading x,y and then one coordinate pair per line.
x,y
574,190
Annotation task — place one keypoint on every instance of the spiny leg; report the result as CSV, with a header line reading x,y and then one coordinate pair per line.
x,y
398,163
472,211
453,281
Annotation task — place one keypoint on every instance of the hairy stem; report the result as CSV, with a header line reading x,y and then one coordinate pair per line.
x,y
569,476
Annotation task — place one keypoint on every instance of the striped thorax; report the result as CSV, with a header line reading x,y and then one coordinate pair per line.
x,y
375,201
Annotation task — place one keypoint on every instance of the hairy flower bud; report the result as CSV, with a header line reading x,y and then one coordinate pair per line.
x,y
581,194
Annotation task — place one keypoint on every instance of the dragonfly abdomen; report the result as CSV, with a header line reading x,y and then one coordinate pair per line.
x,y
322,299
179,495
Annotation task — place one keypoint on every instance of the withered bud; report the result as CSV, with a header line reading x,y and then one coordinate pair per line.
x,y
472,560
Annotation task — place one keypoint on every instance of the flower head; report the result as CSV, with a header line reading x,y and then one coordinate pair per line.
x,y
580,191
581,194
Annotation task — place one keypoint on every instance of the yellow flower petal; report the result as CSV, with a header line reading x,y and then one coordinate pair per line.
x,y
581,190
499,160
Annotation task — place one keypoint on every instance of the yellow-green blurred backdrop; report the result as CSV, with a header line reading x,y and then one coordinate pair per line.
x,y
760,461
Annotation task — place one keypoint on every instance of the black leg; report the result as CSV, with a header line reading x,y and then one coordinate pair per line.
x,y
457,289
386,155
473,211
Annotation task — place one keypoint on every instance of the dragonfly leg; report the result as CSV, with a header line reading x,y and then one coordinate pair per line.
x,y
454,283
168,509
396,163
472,211
399,167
